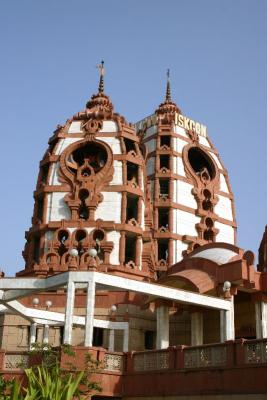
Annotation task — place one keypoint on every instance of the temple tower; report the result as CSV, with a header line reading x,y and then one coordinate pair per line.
x,y
90,200
192,198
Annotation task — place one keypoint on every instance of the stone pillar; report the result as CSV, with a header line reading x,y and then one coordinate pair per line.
x,y
123,207
33,334
170,252
196,329
139,210
126,339
261,319
138,251
171,189
69,313
111,340
46,334
162,327
227,323
122,248
89,319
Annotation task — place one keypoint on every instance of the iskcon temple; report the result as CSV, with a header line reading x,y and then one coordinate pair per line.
x,y
133,255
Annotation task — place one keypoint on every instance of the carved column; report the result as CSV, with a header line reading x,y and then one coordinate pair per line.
x,y
89,319
171,188
122,248
139,210
156,188
261,319
46,334
123,207
33,330
227,325
138,251
69,313
124,172
196,328
111,340
170,252
162,327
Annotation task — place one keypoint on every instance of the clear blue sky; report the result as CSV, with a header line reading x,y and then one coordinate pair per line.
x,y
216,51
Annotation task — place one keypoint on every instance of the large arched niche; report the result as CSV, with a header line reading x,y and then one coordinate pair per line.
x,y
87,160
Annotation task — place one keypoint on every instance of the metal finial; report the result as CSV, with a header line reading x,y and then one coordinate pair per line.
x,y
168,97
101,70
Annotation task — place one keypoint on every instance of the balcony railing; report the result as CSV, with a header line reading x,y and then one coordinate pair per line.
x,y
15,361
206,356
223,355
151,361
256,351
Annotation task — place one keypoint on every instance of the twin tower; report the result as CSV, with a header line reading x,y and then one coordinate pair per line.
x,y
128,199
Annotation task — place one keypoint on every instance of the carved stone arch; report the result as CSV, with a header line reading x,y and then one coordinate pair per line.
x,y
199,179
87,171
98,234
105,174
80,240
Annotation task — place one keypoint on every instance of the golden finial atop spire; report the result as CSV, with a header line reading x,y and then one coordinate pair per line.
x,y
168,97
101,70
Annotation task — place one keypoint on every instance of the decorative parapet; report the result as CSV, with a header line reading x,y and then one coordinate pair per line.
x,y
256,352
113,362
16,361
151,361
206,356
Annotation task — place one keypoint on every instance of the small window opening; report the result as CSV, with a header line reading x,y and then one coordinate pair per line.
x,y
164,161
149,340
40,209
98,236
52,145
201,162
206,204
163,250
83,208
163,188
130,245
86,172
61,334
80,236
130,145
208,234
36,249
62,237
132,172
132,208
44,173
98,336
163,217
165,141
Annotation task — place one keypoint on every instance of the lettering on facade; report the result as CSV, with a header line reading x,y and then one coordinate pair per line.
x,y
180,120
190,124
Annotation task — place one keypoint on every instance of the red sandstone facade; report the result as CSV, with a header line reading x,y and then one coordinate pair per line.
x,y
154,203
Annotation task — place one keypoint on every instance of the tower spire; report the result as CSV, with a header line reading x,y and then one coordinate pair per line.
x,y
168,97
101,70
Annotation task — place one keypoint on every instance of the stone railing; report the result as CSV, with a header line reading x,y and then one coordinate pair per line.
x,y
113,362
221,355
13,361
149,361
256,351
206,356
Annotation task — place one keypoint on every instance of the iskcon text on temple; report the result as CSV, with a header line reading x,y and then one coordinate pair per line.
x,y
132,255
